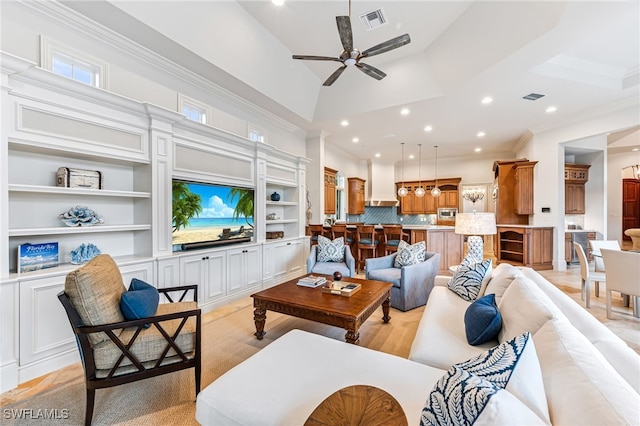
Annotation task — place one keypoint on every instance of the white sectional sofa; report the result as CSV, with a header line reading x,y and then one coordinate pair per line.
x,y
586,374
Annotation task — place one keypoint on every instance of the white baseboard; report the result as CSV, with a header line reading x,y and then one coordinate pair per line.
x,y
8,376
47,365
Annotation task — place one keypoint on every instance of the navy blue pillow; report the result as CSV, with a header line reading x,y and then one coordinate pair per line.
x,y
141,301
482,320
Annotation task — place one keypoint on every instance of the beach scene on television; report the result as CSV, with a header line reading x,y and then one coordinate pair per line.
x,y
207,212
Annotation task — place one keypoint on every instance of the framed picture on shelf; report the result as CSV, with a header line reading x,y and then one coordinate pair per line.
x,y
32,257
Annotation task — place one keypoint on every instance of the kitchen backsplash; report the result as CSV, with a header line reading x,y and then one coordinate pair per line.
x,y
574,221
390,215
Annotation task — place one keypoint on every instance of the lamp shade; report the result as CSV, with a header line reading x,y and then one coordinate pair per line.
x,y
476,224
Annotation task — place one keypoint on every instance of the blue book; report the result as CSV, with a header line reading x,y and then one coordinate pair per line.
x,y
32,257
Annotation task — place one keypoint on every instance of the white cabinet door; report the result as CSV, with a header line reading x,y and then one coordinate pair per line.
x,y
44,327
142,271
207,270
245,268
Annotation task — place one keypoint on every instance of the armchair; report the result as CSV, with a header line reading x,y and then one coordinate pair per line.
x,y
411,284
115,351
346,268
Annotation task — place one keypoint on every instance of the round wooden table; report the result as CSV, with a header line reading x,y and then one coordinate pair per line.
x,y
358,405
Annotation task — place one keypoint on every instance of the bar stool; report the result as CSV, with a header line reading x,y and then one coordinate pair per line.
x,y
314,231
393,234
365,240
340,230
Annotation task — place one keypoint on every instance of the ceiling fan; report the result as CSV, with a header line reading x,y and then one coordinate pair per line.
x,y
352,56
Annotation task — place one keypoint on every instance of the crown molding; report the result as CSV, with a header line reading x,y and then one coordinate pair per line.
x,y
100,34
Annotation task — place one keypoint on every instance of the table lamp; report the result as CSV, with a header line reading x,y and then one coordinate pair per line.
x,y
475,224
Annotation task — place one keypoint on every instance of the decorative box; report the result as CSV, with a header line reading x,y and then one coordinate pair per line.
x,y
78,178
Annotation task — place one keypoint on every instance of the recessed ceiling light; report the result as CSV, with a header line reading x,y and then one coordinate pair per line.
x,y
477,150
377,155
411,157
428,128
344,123
481,134
355,140
635,149
405,111
277,2
487,100
551,109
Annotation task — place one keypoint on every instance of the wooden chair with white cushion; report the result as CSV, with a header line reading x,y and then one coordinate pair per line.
x,y
114,350
623,275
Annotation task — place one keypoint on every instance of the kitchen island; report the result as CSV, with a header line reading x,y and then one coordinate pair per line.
x,y
438,238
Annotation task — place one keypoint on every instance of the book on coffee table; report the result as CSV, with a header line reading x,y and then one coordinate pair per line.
x,y
312,281
343,289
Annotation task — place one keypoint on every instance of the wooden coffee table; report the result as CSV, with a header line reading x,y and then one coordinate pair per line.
x,y
332,309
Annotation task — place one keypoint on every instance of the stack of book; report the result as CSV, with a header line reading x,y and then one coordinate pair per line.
x,y
343,289
312,281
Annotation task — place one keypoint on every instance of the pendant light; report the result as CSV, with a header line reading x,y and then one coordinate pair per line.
x,y
402,191
435,192
419,192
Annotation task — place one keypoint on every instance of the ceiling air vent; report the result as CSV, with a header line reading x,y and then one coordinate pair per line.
x,y
373,19
533,96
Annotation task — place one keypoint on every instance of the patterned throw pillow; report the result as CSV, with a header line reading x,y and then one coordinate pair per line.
x,y
467,280
330,251
410,254
491,389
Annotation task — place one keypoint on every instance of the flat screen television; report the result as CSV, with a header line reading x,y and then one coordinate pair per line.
x,y
206,215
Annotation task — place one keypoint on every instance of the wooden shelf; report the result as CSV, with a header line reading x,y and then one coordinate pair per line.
x,y
40,189
23,232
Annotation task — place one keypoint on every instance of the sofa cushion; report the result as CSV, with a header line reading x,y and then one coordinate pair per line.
x,y
513,366
467,280
501,277
410,254
581,386
94,291
140,301
462,398
442,326
330,251
524,307
482,320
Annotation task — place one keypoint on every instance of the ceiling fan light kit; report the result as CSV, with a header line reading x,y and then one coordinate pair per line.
x,y
351,56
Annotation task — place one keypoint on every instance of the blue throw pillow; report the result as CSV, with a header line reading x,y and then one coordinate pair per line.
x,y
482,320
141,301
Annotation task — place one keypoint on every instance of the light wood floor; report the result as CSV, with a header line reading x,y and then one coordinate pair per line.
x,y
623,324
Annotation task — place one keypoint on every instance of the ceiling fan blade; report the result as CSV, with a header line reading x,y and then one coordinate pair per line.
x,y
316,58
344,29
388,45
333,77
371,71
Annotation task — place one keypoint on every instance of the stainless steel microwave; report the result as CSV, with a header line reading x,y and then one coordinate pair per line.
x,y
447,214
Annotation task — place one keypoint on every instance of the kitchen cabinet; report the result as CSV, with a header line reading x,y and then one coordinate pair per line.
x,y
356,195
427,204
523,187
575,176
525,246
574,198
208,270
513,191
330,176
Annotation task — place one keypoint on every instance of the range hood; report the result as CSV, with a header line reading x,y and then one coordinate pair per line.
x,y
381,185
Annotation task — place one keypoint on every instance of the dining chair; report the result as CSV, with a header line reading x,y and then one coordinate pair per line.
x,y
596,245
587,276
623,275
365,241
